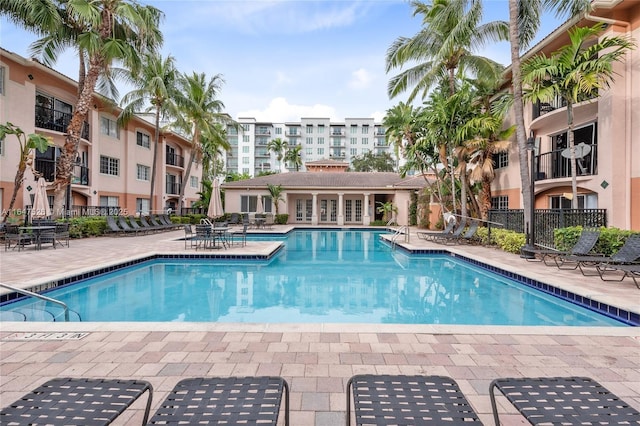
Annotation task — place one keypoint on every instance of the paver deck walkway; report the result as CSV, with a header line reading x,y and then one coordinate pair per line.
x,y
317,359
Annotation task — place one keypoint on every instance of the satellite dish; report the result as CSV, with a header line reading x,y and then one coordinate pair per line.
x,y
582,149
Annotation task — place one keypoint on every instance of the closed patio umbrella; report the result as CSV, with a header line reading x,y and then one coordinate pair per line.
x,y
40,208
215,203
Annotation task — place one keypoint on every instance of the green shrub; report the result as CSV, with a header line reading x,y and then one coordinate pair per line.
x,y
378,223
506,240
89,226
281,219
609,241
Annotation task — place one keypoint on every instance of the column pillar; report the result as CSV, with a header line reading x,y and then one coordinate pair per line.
x,y
366,219
340,208
314,209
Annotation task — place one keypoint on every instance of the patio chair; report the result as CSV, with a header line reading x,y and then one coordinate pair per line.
x,y
453,236
166,220
468,236
13,235
234,219
189,237
205,238
269,221
113,226
62,233
430,235
628,254
77,401
630,270
228,400
586,242
408,400
155,221
563,400
144,223
133,222
239,237
128,229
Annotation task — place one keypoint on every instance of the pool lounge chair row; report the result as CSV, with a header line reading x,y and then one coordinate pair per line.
x,y
377,400
624,263
461,234
120,225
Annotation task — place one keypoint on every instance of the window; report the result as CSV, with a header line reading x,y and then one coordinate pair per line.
x,y
353,141
2,146
246,149
353,151
309,129
193,180
2,72
245,160
354,129
142,205
245,138
501,159
109,201
142,172
267,204
233,140
585,201
500,202
365,141
143,140
365,130
246,127
109,165
308,151
320,141
320,151
321,128
248,203
278,130
309,141
245,170
109,127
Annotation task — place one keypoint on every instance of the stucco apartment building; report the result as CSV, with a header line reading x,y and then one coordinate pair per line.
x,y
607,129
319,139
113,166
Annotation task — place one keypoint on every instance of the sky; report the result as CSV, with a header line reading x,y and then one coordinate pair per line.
x,y
282,60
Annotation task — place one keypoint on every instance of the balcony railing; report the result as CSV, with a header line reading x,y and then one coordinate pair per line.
x,y
47,168
173,188
175,160
552,165
295,133
51,119
263,132
337,132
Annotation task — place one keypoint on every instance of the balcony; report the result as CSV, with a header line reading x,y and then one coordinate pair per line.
x,y
263,132
47,167
293,133
51,119
173,188
174,160
552,165
337,132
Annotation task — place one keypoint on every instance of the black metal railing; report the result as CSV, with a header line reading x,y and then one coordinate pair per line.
x,y
193,210
552,165
52,119
173,188
175,160
547,220
47,168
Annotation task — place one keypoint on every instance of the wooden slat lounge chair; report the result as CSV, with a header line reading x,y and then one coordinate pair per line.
x,y
563,401
408,400
77,401
430,235
225,400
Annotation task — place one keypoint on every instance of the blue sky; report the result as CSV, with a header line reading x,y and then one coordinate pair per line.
x,y
283,60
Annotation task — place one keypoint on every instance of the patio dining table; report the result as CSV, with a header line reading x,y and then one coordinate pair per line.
x,y
37,232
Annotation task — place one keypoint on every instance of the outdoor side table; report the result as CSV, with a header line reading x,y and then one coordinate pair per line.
x,y
408,400
77,401
224,400
563,400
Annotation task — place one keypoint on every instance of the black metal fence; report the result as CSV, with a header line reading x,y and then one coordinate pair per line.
x,y
547,220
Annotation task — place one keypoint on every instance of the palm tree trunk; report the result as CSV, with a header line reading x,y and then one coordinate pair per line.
x,y
187,173
572,150
516,81
155,159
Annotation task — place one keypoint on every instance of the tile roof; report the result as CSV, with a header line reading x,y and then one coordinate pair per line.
x,y
331,180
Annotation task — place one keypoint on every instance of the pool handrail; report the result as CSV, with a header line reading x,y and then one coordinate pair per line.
x,y
39,296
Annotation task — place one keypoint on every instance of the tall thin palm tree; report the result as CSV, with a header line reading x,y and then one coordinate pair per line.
x,y
155,88
102,32
199,109
279,147
293,156
575,72
452,29
214,142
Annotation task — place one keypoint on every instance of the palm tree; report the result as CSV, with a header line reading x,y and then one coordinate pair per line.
x,y
451,30
387,209
294,156
27,143
276,195
102,31
524,20
214,142
576,72
199,109
155,85
278,147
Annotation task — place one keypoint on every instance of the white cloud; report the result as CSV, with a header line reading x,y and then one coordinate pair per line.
x,y
282,78
361,79
280,110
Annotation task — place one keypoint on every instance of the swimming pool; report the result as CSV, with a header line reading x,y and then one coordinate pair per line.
x,y
321,276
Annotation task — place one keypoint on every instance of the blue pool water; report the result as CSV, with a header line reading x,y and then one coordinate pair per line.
x,y
333,276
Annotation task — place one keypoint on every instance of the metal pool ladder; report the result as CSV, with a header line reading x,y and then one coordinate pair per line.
x,y
41,297
403,230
